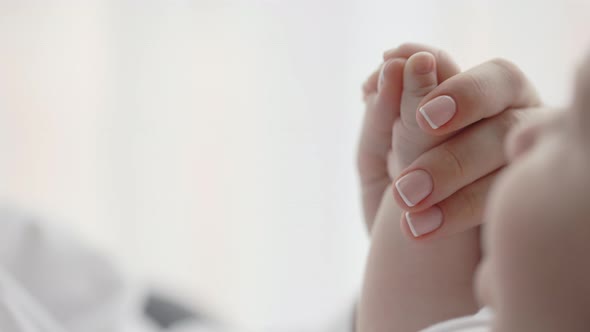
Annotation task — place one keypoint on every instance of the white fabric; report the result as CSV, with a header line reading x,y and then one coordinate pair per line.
x,y
480,322
49,283
19,312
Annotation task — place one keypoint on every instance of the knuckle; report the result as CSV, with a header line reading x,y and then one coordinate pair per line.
x,y
507,66
512,74
477,86
423,89
506,121
471,200
503,62
509,119
451,161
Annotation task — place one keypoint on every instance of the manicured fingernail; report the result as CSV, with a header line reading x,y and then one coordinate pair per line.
x,y
414,187
424,222
439,111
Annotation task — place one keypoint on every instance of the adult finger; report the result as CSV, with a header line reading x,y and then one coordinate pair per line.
x,y
459,212
481,92
452,165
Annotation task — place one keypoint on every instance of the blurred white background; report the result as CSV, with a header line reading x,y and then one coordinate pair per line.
x,y
208,145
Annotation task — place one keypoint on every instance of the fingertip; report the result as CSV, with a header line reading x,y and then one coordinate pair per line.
x,y
366,88
427,126
393,65
397,197
370,84
521,138
447,66
437,115
391,71
420,75
381,79
389,53
422,63
406,229
403,201
422,225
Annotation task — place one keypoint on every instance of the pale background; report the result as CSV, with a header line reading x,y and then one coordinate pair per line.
x,y
208,145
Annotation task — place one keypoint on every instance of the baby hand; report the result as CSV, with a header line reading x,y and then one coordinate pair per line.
x,y
444,145
391,137
439,155
445,188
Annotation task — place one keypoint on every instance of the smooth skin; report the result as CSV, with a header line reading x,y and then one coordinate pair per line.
x,y
413,282
535,274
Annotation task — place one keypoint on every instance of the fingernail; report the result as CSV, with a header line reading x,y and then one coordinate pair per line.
x,y
439,111
414,187
424,222
424,64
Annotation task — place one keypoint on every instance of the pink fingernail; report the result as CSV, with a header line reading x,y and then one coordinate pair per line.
x,y
424,222
439,111
414,187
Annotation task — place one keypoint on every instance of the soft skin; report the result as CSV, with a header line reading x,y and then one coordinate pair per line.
x,y
414,281
535,274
